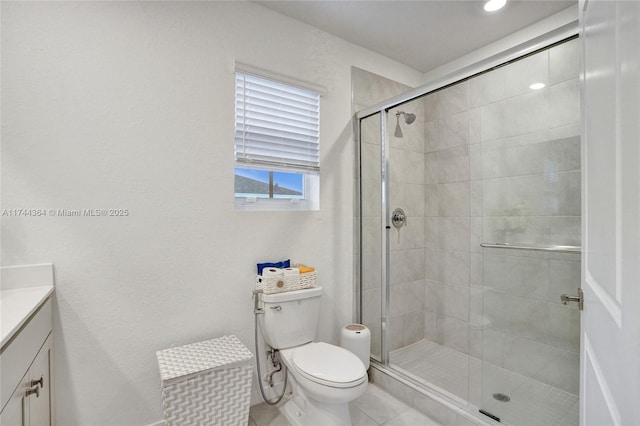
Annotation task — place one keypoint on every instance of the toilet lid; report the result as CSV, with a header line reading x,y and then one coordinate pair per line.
x,y
328,364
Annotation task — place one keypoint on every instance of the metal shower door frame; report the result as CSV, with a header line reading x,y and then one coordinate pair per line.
x,y
385,291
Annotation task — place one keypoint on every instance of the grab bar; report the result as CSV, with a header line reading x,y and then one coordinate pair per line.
x,y
556,249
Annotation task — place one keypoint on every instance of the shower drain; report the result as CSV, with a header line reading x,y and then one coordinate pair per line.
x,y
501,397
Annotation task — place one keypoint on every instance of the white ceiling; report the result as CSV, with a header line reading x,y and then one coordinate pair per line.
x,y
423,34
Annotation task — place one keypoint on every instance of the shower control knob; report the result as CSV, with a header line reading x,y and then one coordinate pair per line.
x,y
398,218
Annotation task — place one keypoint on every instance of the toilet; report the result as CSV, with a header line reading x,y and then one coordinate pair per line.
x,y
324,378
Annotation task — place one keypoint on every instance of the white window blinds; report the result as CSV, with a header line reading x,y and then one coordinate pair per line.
x,y
277,125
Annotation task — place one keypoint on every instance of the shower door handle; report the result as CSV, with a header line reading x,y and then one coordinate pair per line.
x,y
565,298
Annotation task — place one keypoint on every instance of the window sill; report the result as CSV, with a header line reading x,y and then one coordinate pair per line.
x,y
272,204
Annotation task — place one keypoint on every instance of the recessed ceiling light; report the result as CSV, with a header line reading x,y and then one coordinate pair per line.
x,y
537,86
493,5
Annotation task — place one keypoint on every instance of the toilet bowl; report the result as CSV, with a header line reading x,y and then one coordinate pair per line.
x,y
327,378
324,378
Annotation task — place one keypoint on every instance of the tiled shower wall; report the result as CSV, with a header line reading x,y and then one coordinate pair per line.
x,y
406,245
449,139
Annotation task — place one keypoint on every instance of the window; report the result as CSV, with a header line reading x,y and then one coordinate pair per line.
x,y
277,145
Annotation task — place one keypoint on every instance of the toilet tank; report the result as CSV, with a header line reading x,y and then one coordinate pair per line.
x,y
290,318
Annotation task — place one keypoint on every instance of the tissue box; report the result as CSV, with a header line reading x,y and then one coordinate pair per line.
x,y
270,285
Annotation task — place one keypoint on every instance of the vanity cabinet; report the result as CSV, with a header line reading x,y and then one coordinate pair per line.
x,y
25,366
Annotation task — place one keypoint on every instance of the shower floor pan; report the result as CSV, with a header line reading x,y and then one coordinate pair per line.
x,y
531,403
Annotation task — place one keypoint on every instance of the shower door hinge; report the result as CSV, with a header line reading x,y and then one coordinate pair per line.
x,y
565,298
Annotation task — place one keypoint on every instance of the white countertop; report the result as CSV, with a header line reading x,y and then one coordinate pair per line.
x,y
17,305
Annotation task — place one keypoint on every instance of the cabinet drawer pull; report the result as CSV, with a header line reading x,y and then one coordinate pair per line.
x,y
32,390
38,382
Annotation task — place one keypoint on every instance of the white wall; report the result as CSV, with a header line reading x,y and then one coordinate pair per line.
x,y
551,23
130,105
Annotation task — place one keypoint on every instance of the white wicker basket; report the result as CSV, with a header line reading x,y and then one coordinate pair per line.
x,y
206,383
271,285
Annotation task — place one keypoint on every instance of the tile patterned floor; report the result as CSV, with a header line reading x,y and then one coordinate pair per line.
x,y
532,403
374,408
429,362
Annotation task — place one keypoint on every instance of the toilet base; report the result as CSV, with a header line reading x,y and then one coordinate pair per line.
x,y
302,412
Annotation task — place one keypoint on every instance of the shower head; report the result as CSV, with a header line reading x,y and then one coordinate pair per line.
x,y
408,117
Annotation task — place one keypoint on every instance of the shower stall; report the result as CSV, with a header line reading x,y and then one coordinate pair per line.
x,y
469,233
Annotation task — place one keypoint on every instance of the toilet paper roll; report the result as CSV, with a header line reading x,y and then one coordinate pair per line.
x,y
272,272
290,271
357,339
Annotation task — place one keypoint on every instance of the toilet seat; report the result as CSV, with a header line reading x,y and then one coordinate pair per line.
x,y
328,365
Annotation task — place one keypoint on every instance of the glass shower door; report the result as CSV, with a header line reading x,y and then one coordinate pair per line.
x,y
531,198
370,270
